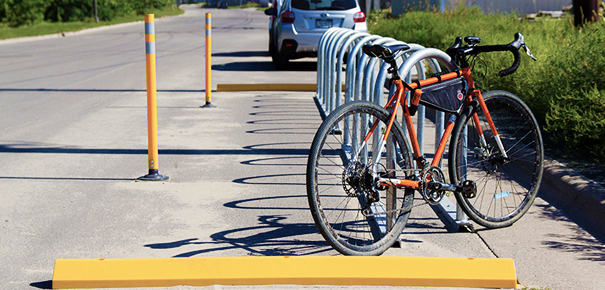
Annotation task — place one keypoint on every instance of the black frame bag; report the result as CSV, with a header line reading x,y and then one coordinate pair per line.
x,y
447,96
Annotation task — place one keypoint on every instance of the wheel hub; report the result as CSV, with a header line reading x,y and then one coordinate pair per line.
x,y
491,160
357,178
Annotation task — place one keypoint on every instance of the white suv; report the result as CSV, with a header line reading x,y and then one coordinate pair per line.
x,y
299,24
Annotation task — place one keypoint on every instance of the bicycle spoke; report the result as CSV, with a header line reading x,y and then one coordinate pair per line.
x,y
506,186
338,190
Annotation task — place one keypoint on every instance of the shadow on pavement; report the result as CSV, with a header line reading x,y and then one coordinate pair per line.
x,y
271,238
67,178
264,66
241,54
43,284
67,150
589,248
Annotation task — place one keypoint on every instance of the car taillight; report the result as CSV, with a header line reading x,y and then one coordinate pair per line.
x,y
288,17
359,17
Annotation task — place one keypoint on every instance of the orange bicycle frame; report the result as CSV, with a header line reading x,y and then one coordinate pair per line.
x,y
398,99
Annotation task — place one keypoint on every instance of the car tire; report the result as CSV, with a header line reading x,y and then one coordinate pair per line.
x,y
281,61
271,47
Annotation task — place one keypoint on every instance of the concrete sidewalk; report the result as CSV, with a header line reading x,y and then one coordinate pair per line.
x,y
581,198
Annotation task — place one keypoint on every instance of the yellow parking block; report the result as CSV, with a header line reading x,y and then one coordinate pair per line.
x,y
266,87
308,270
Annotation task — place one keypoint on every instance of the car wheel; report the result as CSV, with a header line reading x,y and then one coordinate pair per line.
x,y
271,47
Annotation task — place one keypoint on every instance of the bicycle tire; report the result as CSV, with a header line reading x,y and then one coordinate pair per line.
x,y
506,187
335,203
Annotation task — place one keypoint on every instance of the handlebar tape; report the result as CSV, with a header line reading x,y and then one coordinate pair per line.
x,y
515,65
508,47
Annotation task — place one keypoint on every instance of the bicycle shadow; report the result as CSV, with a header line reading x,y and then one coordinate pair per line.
x,y
273,237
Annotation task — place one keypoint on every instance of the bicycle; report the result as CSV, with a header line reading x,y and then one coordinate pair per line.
x,y
360,157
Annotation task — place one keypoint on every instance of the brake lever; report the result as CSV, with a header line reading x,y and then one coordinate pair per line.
x,y
524,45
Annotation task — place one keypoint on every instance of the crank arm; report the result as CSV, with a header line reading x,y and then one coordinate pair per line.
x,y
443,186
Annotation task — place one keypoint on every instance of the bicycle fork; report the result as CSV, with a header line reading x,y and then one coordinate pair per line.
x,y
466,73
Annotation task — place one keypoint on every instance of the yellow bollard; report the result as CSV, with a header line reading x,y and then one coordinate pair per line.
x,y
208,61
152,111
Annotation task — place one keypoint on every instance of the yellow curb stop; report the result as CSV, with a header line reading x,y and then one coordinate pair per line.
x,y
266,87
311,270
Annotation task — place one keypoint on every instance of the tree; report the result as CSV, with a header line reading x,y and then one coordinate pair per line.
x,y
585,11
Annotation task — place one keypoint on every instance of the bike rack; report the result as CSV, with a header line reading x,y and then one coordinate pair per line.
x,y
364,80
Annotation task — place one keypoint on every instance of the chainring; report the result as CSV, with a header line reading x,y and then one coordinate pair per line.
x,y
432,174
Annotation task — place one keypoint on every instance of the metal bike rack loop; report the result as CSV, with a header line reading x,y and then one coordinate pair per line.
x,y
365,79
449,213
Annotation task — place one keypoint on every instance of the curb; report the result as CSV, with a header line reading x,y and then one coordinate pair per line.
x,y
71,33
581,198
65,34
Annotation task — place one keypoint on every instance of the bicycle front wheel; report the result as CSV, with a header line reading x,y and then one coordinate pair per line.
x,y
354,217
507,184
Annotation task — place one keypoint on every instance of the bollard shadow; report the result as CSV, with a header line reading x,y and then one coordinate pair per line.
x,y
247,150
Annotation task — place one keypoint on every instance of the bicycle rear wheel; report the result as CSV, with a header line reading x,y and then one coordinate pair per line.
x,y
339,184
506,185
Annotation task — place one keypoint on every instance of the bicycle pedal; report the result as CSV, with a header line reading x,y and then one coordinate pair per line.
x,y
469,189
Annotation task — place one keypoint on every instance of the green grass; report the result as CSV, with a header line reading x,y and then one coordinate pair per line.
x,y
45,28
565,88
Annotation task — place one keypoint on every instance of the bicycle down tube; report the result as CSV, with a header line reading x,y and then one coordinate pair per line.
x,y
398,99
394,102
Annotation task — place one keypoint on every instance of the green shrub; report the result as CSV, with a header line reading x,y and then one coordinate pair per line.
x,y
69,10
23,12
109,9
2,11
145,6
579,120
570,67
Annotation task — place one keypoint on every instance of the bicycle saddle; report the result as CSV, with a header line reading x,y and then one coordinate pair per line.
x,y
383,51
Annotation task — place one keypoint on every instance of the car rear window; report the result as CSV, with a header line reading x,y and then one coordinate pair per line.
x,y
324,4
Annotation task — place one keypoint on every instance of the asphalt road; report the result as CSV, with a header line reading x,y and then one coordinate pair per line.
x,y
73,139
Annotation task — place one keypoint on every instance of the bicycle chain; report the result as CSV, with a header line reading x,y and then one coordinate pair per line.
x,y
409,208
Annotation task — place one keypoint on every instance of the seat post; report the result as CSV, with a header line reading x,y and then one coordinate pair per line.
x,y
393,69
